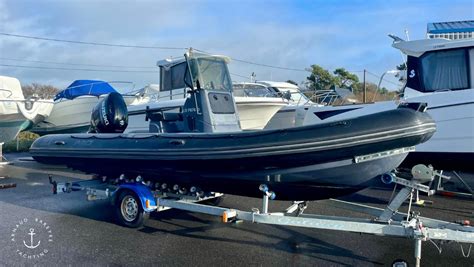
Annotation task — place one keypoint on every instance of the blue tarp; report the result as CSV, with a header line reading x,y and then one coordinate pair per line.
x,y
85,87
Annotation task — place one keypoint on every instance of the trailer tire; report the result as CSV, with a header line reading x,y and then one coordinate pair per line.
x,y
399,263
129,211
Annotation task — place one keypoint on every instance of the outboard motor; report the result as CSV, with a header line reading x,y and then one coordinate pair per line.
x,y
110,115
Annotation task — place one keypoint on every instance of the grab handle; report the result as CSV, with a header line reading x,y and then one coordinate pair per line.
x,y
177,142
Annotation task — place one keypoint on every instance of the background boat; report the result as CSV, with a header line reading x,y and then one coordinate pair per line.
x,y
73,106
440,72
16,112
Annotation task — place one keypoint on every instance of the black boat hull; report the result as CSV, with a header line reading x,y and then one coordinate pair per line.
x,y
301,163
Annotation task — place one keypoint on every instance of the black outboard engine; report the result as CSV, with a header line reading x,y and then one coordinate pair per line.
x,y
110,115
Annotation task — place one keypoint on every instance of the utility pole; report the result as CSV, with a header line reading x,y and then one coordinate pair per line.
x,y
365,89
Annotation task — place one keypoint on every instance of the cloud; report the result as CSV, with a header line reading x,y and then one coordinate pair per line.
x,y
349,34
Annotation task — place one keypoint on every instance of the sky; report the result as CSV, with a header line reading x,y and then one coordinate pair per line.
x,y
293,34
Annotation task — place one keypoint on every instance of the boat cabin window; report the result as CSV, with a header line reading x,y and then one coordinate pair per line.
x,y
173,78
252,90
471,67
440,70
177,76
445,70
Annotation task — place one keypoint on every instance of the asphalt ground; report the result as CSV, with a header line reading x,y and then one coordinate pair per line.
x,y
81,233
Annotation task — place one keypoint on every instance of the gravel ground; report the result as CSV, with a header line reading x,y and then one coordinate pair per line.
x,y
84,233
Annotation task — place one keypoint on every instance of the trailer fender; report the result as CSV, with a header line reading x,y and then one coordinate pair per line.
x,y
142,191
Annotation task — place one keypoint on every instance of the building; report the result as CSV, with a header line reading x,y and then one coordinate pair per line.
x,y
451,30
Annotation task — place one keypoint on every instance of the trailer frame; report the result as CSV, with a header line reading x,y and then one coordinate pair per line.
x,y
383,222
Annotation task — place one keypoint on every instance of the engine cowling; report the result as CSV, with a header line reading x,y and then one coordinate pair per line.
x,y
110,115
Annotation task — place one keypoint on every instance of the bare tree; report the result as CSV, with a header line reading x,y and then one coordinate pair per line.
x,y
39,90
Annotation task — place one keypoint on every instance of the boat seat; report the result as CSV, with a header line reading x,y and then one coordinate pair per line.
x,y
165,116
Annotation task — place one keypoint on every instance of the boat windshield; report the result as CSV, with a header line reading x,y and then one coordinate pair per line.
x,y
253,90
296,96
211,72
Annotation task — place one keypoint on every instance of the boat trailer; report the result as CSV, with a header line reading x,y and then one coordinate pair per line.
x,y
468,190
135,199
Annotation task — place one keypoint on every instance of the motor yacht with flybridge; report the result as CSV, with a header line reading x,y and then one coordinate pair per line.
x,y
440,72
201,145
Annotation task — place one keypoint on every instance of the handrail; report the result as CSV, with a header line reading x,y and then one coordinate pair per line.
x,y
319,95
8,91
160,96
27,100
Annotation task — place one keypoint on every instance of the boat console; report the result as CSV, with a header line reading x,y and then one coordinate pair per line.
x,y
209,106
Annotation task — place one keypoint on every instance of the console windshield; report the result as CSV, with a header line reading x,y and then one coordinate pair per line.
x,y
211,72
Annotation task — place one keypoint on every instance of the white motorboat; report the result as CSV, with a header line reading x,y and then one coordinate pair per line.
x,y
440,72
257,105
16,112
73,106
297,106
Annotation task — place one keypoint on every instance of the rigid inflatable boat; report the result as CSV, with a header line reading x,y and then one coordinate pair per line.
x,y
201,145
305,163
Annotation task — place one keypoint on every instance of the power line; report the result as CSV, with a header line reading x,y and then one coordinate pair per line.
x,y
268,66
141,47
74,69
92,43
239,75
134,46
378,76
76,64
258,64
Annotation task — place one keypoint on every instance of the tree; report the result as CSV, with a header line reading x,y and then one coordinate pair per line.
x,y
39,90
320,78
292,82
345,79
402,66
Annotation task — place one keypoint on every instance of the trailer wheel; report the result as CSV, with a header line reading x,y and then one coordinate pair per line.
x,y
399,263
129,210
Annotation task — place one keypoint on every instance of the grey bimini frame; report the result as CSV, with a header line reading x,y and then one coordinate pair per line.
x,y
381,222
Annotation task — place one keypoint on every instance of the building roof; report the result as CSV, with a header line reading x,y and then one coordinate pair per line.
x,y
451,26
